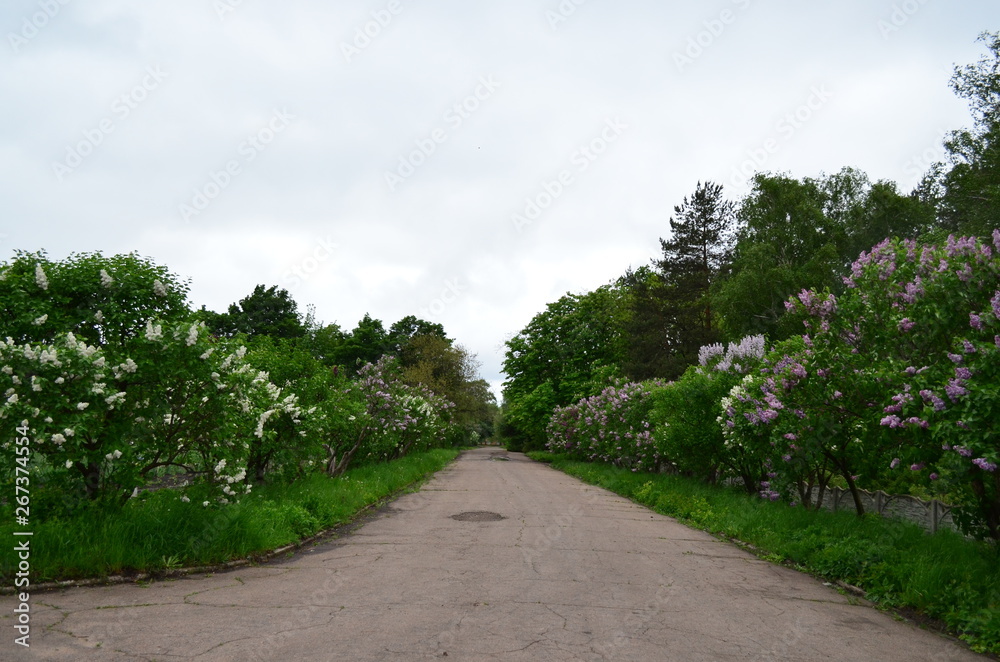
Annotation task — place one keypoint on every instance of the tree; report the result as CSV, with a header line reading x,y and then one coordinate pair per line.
x,y
270,312
670,311
367,343
410,327
805,234
102,300
646,352
451,372
325,342
566,352
968,193
116,379
693,258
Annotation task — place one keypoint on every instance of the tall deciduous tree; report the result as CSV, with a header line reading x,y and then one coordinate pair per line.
x,y
798,234
968,192
565,353
267,311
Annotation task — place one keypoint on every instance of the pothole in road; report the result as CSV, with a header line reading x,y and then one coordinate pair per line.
x,y
478,516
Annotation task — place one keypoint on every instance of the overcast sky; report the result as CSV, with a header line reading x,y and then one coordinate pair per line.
x,y
464,161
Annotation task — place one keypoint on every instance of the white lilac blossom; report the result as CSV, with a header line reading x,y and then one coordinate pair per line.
x,y
159,289
98,316
153,332
38,321
259,432
40,278
106,278
192,336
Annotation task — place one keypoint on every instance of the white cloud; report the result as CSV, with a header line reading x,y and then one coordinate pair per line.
x,y
321,180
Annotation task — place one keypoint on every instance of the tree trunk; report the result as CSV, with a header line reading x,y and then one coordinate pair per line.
x,y
854,493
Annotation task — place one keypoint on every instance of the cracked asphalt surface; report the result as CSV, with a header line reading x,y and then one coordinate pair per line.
x,y
571,572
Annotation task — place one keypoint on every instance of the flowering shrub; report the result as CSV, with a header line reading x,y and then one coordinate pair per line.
x,y
685,409
612,426
377,417
185,402
900,371
117,383
944,409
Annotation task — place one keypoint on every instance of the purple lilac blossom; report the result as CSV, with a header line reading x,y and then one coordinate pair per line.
x,y
955,390
984,464
892,421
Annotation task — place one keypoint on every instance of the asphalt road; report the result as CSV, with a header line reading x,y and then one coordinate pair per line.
x,y
571,572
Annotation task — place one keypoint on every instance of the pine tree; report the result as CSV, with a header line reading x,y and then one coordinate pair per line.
x,y
671,314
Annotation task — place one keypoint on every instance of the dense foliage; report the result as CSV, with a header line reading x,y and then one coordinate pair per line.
x,y
114,386
870,372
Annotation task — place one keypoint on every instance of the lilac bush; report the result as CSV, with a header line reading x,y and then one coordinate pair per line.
x,y
899,373
612,426
377,417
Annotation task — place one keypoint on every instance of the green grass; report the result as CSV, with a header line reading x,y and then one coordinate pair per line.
x,y
159,531
944,576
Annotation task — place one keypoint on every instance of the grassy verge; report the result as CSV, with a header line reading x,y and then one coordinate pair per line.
x,y
160,532
944,577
